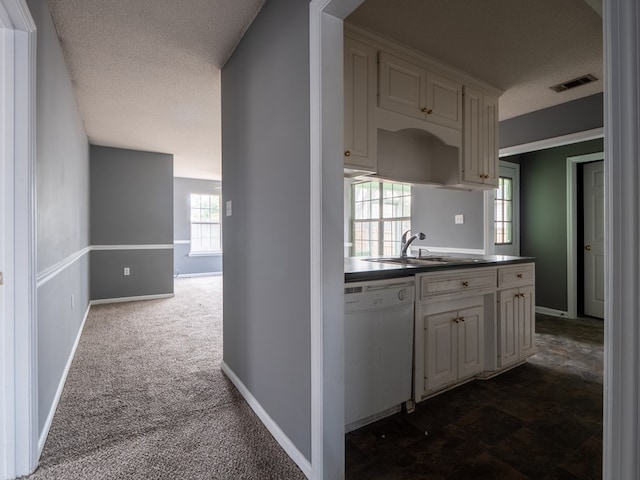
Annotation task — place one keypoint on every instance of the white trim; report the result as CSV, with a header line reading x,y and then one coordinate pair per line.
x,y
552,312
315,242
18,361
7,421
137,298
326,75
467,251
284,441
621,435
181,242
202,274
572,228
167,246
553,142
204,254
63,379
59,267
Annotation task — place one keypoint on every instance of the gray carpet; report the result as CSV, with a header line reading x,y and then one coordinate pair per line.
x,y
145,399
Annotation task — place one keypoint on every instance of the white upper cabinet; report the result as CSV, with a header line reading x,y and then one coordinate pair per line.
x,y
359,106
480,145
406,118
412,90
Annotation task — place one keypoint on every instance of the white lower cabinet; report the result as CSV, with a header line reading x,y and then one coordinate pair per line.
x,y
471,323
454,343
516,325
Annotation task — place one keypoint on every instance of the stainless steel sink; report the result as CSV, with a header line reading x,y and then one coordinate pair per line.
x,y
429,260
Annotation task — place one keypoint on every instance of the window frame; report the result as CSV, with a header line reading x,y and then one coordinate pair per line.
x,y
197,252
380,220
507,212
512,170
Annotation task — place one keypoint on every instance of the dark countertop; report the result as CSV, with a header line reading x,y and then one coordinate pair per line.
x,y
358,269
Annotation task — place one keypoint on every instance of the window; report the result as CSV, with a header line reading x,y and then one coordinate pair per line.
x,y
504,212
205,223
381,213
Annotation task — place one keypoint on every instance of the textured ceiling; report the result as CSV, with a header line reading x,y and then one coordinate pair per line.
x,y
147,72
520,46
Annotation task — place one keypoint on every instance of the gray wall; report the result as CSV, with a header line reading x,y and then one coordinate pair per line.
x,y
183,264
543,217
131,205
62,183
564,119
543,195
265,151
433,210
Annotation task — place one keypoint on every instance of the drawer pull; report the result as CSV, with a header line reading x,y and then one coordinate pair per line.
x,y
465,284
519,275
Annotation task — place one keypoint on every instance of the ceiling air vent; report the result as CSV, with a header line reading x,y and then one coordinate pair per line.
x,y
576,82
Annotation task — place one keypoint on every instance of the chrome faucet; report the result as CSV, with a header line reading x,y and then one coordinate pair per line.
x,y
405,243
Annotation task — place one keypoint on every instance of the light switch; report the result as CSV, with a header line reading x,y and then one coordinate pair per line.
x,y
459,219
127,271
228,208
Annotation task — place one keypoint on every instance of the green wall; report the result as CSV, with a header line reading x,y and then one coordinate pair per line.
x,y
543,217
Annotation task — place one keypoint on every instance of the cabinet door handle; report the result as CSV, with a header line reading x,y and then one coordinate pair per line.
x,y
426,110
347,153
461,319
519,275
465,284
456,320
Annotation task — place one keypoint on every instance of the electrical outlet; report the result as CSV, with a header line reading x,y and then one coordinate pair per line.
x,y
228,208
127,271
459,219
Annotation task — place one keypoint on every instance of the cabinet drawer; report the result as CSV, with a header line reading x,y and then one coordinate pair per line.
x,y
517,275
455,283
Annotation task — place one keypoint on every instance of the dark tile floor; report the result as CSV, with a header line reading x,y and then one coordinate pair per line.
x,y
542,420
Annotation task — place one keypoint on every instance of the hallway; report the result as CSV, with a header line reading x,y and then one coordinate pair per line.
x,y
145,398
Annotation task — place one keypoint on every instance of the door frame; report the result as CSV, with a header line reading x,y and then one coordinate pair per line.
x,y
18,355
572,228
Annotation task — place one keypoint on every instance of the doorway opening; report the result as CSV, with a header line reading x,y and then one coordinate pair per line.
x,y
575,256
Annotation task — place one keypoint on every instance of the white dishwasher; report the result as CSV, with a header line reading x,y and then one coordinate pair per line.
x,y
378,334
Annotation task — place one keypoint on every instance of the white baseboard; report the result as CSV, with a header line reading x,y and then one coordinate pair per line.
x,y
131,299
272,426
552,312
203,274
63,379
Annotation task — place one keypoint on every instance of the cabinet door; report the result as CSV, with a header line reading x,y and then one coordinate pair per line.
x,y
526,322
480,141
490,140
359,105
441,344
402,86
508,327
444,101
470,324
472,149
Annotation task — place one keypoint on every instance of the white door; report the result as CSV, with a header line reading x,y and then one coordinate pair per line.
x,y
593,177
